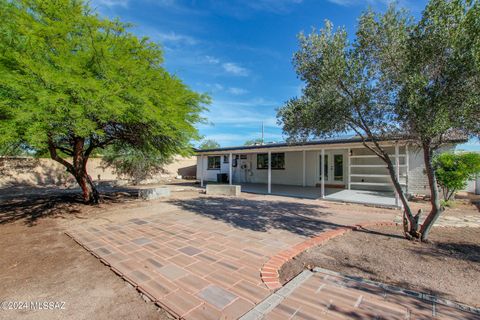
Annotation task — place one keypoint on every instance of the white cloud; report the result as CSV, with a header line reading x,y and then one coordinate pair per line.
x,y
212,60
236,91
172,37
235,69
242,113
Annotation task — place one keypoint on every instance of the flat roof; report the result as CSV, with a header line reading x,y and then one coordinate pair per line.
x,y
292,144
354,139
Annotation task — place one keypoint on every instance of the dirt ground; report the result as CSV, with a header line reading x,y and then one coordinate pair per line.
x,y
40,263
449,266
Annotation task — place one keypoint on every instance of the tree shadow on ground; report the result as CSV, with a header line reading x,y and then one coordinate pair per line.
x,y
57,203
378,233
298,218
457,250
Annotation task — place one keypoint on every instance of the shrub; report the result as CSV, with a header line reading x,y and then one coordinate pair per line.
x,y
454,170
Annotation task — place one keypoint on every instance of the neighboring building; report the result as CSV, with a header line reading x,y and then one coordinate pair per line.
x,y
298,170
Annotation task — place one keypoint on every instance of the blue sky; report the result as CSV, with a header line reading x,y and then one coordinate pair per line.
x,y
238,51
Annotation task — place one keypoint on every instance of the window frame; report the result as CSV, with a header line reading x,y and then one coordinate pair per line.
x,y
275,161
214,163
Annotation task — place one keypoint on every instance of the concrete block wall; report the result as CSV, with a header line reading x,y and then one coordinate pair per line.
x,y
46,172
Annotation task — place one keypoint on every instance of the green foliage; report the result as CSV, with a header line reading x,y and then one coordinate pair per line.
x,y
254,142
72,82
398,78
454,170
447,203
209,144
438,80
343,89
134,163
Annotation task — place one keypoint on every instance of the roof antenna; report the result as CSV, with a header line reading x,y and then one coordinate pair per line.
x,y
263,141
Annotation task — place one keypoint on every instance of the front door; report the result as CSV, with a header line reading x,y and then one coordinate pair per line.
x,y
333,167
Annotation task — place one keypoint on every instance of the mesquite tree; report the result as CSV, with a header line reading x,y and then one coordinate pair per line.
x,y
72,83
397,79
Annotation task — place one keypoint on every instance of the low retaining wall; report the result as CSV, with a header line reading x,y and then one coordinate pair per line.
x,y
154,193
223,190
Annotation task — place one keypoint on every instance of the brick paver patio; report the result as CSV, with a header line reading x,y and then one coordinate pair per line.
x,y
201,258
194,267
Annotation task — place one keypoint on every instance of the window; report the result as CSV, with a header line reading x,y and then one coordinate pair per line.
x,y
213,163
278,161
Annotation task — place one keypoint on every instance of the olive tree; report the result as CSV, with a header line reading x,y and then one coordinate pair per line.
x,y
398,79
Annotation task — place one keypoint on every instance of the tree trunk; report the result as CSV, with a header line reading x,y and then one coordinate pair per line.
x,y
436,209
410,228
89,191
410,222
78,168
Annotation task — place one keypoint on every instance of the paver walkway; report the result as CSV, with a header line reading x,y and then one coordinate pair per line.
x,y
328,295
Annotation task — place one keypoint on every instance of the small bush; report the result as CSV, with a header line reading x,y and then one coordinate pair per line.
x,y
454,170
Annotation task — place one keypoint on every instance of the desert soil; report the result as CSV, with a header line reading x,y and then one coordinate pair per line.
x,y
40,263
448,266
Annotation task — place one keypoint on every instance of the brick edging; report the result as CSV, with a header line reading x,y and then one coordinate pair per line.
x,y
270,272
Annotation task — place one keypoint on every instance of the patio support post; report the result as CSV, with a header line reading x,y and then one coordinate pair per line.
x,y
349,169
304,169
407,170
230,157
397,172
323,173
269,172
201,170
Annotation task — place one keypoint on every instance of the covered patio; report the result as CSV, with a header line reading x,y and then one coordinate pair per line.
x,y
378,198
337,170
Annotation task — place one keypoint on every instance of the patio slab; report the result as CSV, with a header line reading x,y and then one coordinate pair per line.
x,y
378,198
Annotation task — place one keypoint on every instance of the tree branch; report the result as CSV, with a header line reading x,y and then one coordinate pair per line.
x,y
53,154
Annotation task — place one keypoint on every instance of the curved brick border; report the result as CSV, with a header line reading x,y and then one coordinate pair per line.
x,y
270,272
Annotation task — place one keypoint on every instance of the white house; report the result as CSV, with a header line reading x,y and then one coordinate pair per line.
x,y
338,169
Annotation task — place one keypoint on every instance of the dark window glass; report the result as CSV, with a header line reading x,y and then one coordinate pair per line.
x,y
213,163
278,161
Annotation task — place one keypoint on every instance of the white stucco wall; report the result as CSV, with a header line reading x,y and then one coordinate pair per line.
x,y
246,170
